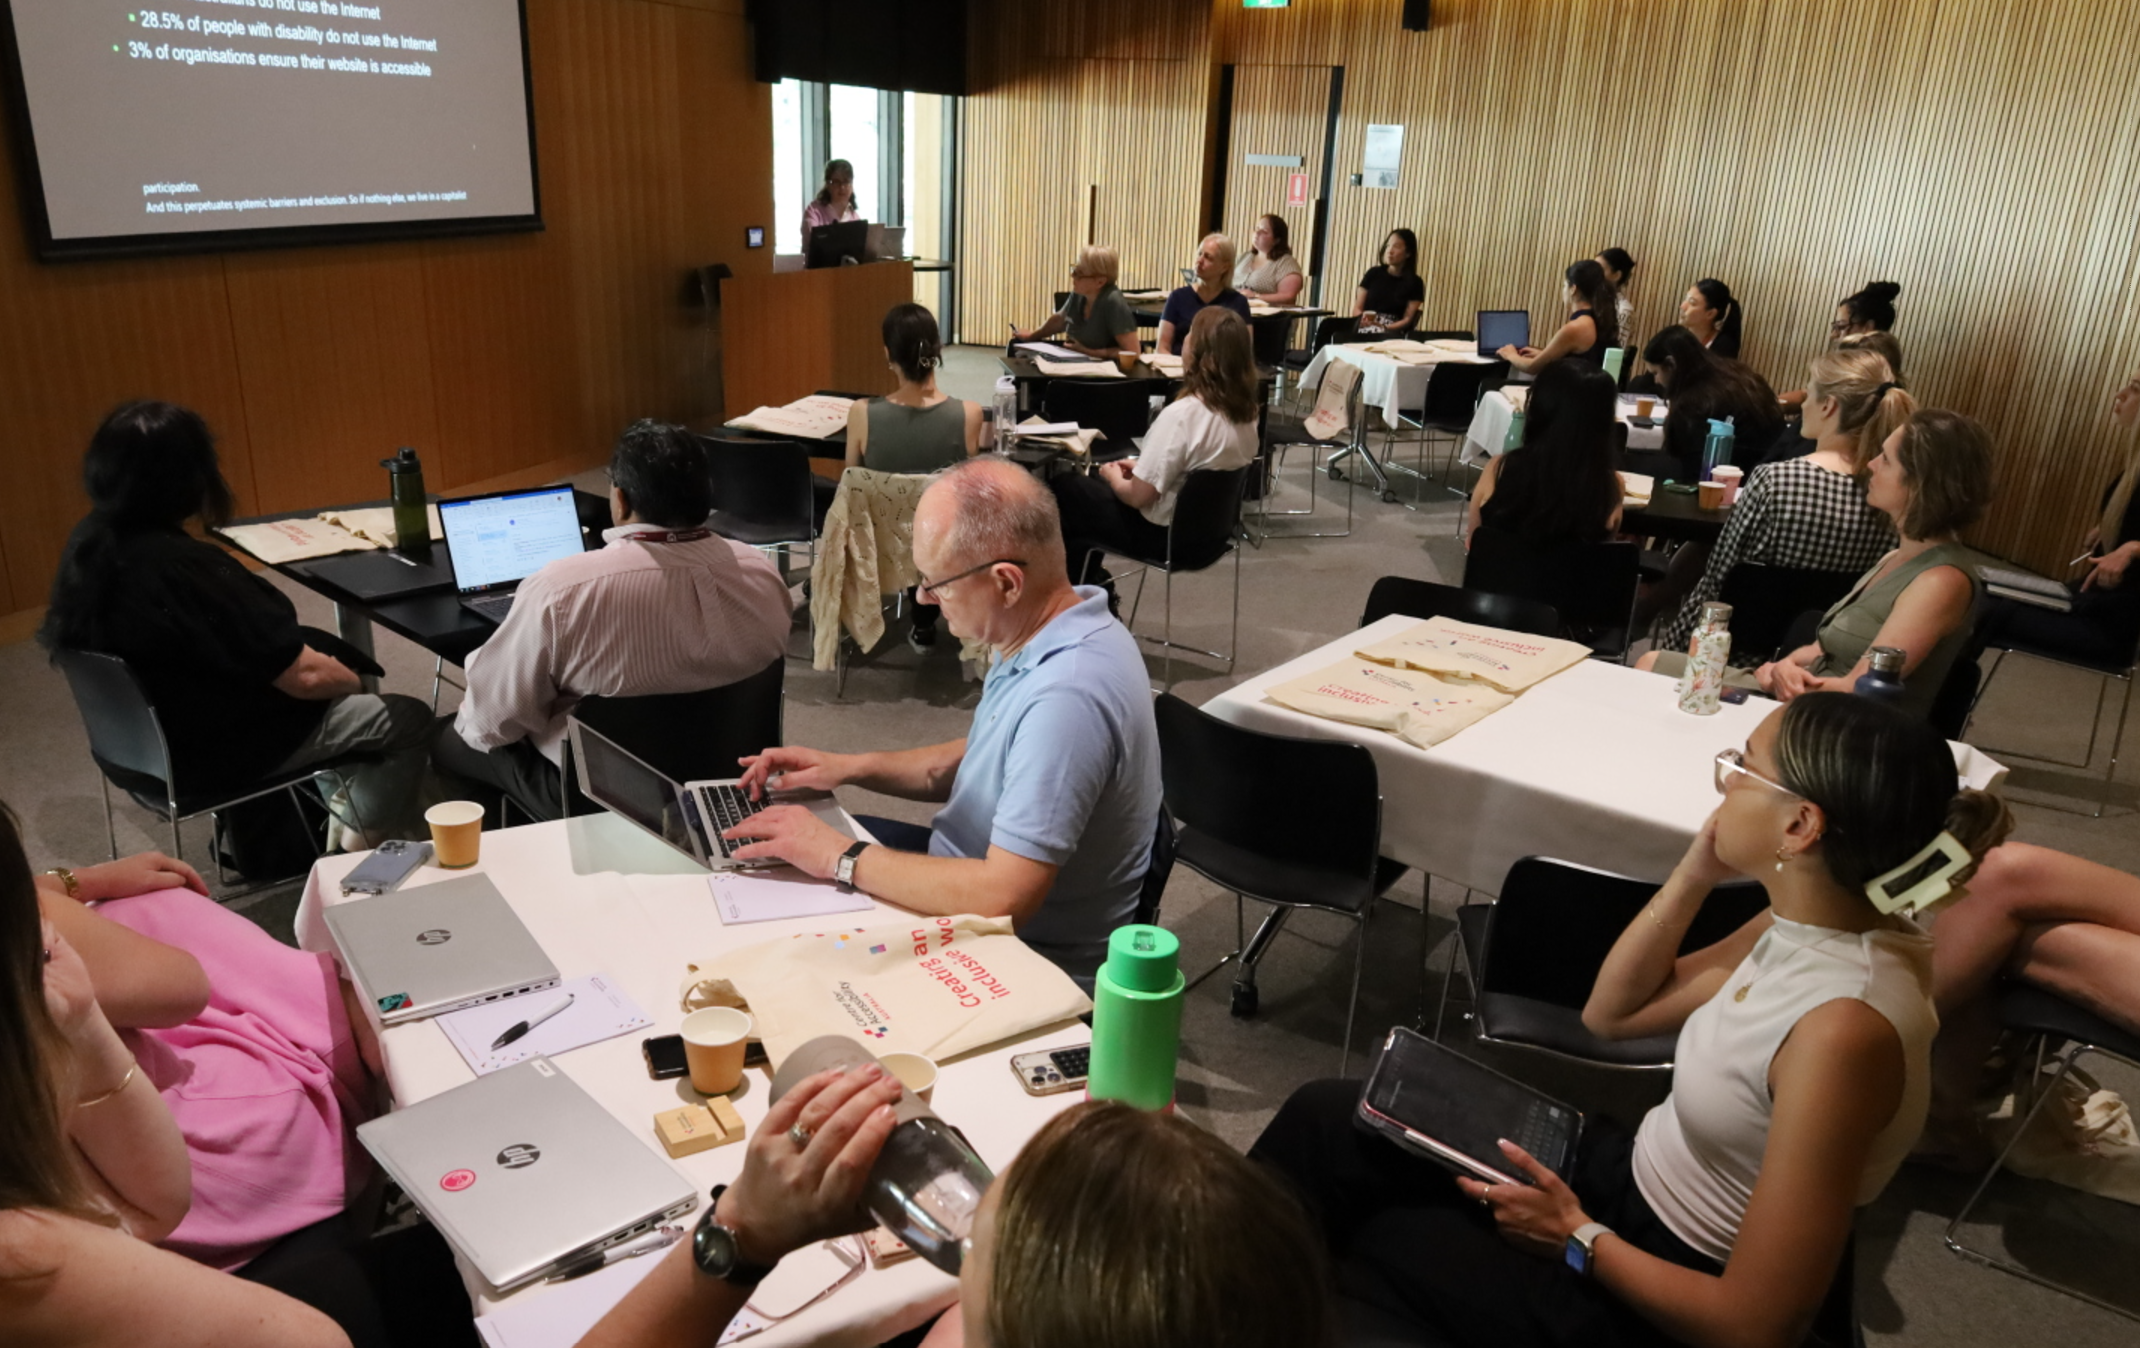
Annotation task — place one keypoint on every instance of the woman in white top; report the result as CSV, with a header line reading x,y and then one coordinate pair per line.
x,y
1801,1078
1270,272
1619,267
1211,424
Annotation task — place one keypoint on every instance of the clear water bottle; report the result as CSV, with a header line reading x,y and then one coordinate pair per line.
x,y
1006,410
927,1183
1882,681
1701,687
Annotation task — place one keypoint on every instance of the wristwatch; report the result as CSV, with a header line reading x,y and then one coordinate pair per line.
x,y
1580,1252
843,870
714,1250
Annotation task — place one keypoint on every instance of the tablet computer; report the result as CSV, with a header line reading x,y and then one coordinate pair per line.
x,y
1441,1105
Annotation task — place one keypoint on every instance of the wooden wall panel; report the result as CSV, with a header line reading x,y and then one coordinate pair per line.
x,y
1795,148
809,330
495,356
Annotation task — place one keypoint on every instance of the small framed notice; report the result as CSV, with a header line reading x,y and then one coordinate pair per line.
x,y
1379,162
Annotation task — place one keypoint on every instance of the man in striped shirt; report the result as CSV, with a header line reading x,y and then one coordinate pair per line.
x,y
665,606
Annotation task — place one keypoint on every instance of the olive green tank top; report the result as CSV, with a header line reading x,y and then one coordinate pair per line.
x,y
1848,629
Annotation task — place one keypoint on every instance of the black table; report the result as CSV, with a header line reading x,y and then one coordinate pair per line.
x,y
1672,514
435,619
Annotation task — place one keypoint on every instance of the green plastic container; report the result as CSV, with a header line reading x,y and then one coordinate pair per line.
x,y
1136,1018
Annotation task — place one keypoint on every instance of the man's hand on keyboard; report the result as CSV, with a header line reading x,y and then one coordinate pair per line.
x,y
792,834
797,769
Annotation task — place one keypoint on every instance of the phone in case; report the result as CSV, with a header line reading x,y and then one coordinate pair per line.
x,y
390,863
665,1056
1054,1070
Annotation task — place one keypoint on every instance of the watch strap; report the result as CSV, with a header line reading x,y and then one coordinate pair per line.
x,y
1585,1238
843,871
739,1272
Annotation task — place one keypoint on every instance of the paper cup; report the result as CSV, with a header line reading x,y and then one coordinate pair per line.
x,y
1126,359
456,832
1644,405
1731,477
916,1073
1712,495
714,1043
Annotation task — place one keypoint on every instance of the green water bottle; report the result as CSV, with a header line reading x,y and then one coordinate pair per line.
x,y
1136,1018
412,518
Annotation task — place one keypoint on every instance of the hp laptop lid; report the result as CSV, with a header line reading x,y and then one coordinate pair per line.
x,y
688,816
522,1169
1440,1104
437,948
1503,327
501,539
886,241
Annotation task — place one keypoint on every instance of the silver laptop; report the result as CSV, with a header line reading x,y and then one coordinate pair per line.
x,y
522,1171
885,241
500,539
437,948
688,816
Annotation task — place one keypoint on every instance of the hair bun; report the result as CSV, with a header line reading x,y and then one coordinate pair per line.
x,y
1979,821
1883,290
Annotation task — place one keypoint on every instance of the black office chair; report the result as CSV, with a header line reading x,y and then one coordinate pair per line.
x,y
126,741
1425,599
1329,328
2047,1020
1153,887
688,737
1119,409
762,496
2072,657
1445,412
1591,585
1244,824
1532,956
1207,525
1766,600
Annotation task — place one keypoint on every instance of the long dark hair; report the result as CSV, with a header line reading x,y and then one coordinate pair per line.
x,y
1411,250
1875,304
37,1166
913,342
1725,305
1620,260
1221,368
824,193
1560,485
1281,238
150,465
1598,296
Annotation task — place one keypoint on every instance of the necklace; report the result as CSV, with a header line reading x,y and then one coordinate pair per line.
x,y
1748,985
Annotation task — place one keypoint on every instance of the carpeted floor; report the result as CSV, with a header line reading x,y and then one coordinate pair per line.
x,y
1295,595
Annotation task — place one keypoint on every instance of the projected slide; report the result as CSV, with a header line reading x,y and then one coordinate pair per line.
x,y
205,116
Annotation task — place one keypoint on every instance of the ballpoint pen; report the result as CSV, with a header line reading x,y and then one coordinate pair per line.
x,y
399,558
514,1032
660,1238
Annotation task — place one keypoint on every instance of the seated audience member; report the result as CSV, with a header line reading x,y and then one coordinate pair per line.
x,y
1868,311
1214,275
2068,926
1711,312
834,203
1702,388
1389,297
666,606
1095,317
1881,344
1801,1080
1128,504
1619,267
95,1171
219,651
1559,486
1590,330
2104,624
1113,1226
1050,802
258,1049
1270,272
1932,478
1808,511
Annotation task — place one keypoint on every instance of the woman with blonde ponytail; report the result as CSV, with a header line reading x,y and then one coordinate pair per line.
x,y
1811,511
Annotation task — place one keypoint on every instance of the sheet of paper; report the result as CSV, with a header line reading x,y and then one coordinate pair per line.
x,y
1145,296
816,417
560,1315
1053,351
743,896
1637,488
280,541
1038,427
375,524
1078,369
600,1010
1163,362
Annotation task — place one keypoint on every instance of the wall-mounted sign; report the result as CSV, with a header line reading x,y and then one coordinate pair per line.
x,y
1385,147
1296,190
1271,160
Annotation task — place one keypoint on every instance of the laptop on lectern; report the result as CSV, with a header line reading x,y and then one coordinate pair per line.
x,y
835,245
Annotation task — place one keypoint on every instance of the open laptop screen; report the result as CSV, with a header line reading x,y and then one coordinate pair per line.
x,y
1503,327
617,781
497,540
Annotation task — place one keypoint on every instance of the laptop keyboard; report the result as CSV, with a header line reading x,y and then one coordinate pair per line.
x,y
493,606
725,807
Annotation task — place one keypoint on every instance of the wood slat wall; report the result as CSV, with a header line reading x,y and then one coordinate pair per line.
x,y
495,356
1979,155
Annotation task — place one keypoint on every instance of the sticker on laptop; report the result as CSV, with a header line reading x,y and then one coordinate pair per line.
x,y
453,1181
393,1001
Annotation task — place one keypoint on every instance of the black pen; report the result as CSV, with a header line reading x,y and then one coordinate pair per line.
x,y
530,1023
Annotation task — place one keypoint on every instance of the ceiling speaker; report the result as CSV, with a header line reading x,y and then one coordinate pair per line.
x,y
1415,15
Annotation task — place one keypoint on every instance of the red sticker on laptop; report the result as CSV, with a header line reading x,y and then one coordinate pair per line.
x,y
453,1181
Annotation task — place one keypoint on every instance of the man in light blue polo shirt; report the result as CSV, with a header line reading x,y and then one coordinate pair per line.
x,y
1051,800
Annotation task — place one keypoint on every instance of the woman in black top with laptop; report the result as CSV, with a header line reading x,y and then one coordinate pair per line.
x,y
240,688
1391,294
1592,326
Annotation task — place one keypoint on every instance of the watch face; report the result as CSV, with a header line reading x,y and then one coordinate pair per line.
x,y
713,1248
1577,1255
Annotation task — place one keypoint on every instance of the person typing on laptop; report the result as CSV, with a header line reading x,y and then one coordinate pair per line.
x,y
1050,802
666,606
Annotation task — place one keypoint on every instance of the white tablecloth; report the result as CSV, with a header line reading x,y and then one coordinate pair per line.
x,y
1386,383
1488,436
1596,765
602,897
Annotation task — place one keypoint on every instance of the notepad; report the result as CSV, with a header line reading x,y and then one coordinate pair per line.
x,y
600,1010
1078,369
741,897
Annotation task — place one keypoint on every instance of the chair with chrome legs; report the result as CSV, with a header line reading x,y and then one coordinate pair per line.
x,y
1206,525
1283,431
1222,783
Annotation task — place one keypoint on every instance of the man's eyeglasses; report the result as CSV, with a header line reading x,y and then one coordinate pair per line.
x,y
1732,763
933,587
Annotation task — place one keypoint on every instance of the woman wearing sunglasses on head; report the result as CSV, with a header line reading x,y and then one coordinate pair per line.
x,y
1801,1074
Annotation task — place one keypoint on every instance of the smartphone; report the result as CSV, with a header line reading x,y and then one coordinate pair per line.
x,y
665,1056
1053,1071
390,863
1735,695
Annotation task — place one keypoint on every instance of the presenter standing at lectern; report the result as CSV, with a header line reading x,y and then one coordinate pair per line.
x,y
834,202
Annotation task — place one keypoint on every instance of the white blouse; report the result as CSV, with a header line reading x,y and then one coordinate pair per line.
x,y
1188,435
